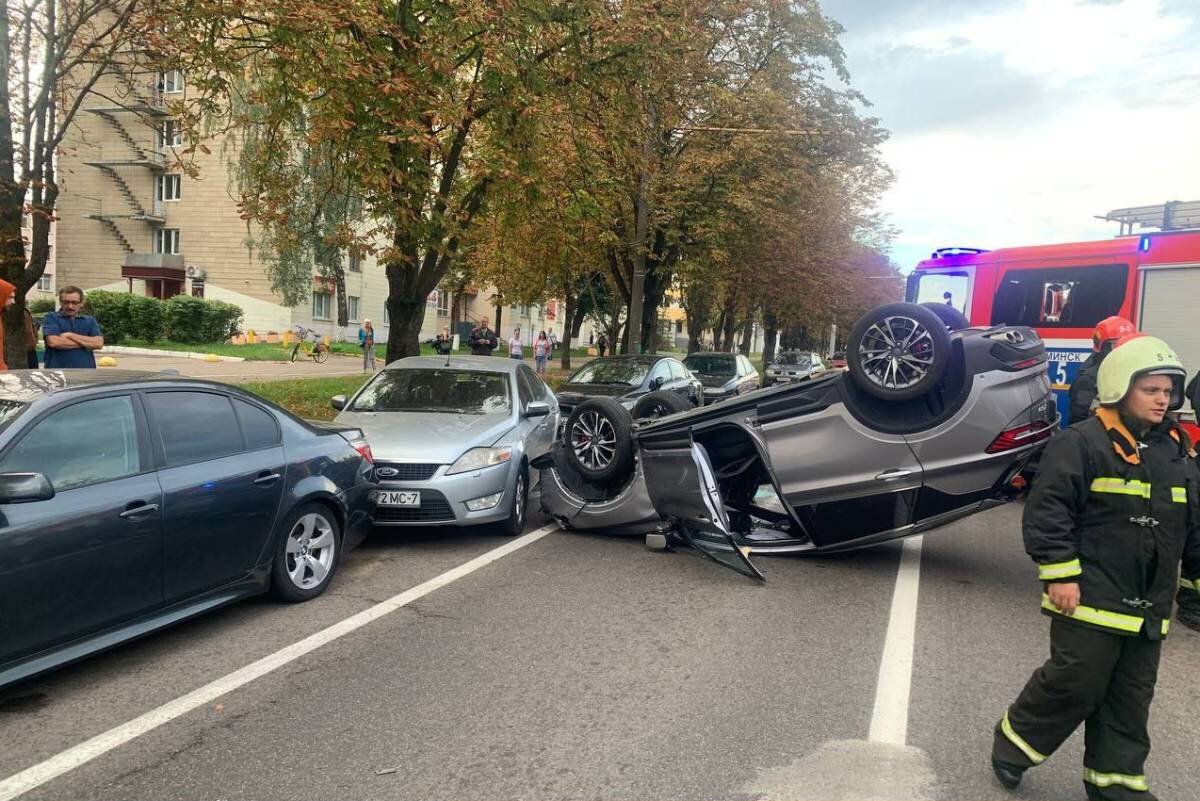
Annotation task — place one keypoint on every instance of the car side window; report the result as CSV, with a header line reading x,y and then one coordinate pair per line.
x,y
85,443
524,389
537,387
194,426
662,370
679,370
260,428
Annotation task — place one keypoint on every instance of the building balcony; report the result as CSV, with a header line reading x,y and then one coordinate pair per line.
x,y
154,265
114,209
125,157
144,99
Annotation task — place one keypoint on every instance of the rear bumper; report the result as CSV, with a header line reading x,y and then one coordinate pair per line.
x,y
360,509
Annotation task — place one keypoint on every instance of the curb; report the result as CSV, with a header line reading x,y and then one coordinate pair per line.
x,y
178,354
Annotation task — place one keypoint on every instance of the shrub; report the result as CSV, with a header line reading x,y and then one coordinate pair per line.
x,y
221,320
188,319
111,310
145,318
41,305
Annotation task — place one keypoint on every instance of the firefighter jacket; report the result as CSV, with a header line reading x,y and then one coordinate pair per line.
x,y
1117,516
1083,390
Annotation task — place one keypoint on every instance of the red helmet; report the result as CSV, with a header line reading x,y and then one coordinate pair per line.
x,y
1109,330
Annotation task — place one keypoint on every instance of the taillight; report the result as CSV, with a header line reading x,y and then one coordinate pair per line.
x,y
1021,365
1020,436
364,448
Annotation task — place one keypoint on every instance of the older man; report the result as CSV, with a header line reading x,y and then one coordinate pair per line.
x,y
71,336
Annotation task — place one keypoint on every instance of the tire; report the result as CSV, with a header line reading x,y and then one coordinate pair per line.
x,y
599,440
321,354
295,351
515,524
653,405
898,351
308,525
952,318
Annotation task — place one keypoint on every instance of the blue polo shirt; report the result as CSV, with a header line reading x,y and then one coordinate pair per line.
x,y
55,323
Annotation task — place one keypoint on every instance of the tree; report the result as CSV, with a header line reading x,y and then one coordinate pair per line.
x,y
53,54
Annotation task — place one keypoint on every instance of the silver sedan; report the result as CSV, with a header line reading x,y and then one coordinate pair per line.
x,y
453,439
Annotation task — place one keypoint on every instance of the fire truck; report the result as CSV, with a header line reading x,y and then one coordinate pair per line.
x,y
1151,278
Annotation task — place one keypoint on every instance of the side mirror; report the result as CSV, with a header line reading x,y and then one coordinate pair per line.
x,y
24,487
537,409
338,402
656,384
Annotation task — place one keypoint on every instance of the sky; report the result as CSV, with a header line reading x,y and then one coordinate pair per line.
x,y
1016,122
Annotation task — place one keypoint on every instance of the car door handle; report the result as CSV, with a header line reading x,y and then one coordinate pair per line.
x,y
140,510
892,475
267,479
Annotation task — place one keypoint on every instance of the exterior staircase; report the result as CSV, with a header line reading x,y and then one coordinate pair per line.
x,y
116,125
126,192
115,231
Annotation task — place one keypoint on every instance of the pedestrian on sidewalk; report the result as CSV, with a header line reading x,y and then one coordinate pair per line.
x,y
482,339
515,351
602,345
366,341
1113,512
542,349
443,343
71,336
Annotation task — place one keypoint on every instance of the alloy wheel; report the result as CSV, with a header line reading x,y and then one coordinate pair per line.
x,y
310,551
594,440
896,352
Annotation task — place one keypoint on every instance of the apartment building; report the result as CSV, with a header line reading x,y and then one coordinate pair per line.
x,y
45,286
132,221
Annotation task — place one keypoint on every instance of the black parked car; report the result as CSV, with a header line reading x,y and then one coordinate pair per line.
x,y
130,501
628,380
724,375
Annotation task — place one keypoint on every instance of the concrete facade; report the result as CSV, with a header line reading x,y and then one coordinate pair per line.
x,y
131,219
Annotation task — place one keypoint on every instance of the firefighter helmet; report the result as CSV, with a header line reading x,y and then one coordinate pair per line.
x,y
1134,356
1109,330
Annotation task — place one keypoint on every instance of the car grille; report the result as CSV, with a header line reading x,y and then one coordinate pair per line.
x,y
434,509
405,472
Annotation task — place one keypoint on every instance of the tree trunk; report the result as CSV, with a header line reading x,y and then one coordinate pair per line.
x,y
499,317
770,331
727,336
339,280
747,332
406,316
568,313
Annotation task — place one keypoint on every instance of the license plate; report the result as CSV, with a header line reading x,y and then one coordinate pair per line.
x,y
398,498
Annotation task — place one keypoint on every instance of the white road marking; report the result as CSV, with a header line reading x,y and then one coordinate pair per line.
x,y
889,720
30,778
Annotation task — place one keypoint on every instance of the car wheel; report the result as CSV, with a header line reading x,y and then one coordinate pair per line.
x,y
599,440
307,555
951,317
898,351
515,524
654,405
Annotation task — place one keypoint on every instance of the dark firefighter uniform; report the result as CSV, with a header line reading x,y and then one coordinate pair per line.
x,y
1189,585
1083,389
1117,516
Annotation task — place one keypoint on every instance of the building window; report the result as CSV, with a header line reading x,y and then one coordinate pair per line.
x,y
322,303
169,187
387,319
166,240
170,134
170,81
355,262
443,304
679,326
352,308
44,283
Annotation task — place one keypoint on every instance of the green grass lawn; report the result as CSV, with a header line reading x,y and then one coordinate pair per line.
x,y
307,397
264,352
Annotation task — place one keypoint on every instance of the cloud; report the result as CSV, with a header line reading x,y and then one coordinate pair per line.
x,y
1016,122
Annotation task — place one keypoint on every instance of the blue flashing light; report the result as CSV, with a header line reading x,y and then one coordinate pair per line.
x,y
1144,243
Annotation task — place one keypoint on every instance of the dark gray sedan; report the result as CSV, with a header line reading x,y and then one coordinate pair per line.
x,y
130,501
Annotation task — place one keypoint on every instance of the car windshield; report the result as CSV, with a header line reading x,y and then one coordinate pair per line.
x,y
617,371
710,365
792,357
436,390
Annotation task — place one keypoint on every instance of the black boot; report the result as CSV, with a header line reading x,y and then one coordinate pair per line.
x,y
1008,775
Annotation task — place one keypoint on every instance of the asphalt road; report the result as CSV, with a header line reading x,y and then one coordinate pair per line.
x,y
582,666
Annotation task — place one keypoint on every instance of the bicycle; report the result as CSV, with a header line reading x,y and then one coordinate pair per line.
x,y
316,350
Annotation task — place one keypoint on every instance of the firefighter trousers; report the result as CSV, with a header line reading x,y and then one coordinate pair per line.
x,y
1105,681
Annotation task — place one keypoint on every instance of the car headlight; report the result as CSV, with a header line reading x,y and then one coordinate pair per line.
x,y
479,458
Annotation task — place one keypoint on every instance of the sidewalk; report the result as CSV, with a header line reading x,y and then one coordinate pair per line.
x,y
235,372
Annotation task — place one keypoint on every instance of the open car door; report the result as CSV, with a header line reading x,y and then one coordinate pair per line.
x,y
684,488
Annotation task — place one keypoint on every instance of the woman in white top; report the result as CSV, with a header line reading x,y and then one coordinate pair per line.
x,y
515,351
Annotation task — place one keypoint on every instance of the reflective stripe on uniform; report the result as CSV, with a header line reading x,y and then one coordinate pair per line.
x,y
1166,626
1059,570
1179,494
1099,617
1034,756
1119,486
1109,779
1188,585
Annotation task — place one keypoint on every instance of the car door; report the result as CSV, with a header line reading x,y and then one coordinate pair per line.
x,y
530,389
660,374
681,379
749,379
91,556
221,487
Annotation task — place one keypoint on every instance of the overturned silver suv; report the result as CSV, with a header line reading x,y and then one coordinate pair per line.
x,y
931,421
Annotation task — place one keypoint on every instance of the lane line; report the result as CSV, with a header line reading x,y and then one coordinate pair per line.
x,y
78,755
889,719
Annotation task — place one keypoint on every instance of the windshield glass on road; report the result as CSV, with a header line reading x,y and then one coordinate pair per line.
x,y
710,365
618,371
436,390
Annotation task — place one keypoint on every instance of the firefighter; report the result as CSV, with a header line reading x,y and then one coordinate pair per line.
x,y
1114,511
1189,586
1083,388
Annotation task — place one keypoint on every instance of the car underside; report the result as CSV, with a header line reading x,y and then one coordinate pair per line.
x,y
828,464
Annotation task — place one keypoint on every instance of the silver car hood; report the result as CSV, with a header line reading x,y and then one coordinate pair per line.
x,y
426,437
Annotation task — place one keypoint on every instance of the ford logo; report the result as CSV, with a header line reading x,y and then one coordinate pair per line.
x,y
387,472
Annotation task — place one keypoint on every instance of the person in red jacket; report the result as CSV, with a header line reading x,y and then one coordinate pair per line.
x,y
7,298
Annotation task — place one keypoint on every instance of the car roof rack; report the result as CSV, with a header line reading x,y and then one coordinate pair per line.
x,y
957,251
